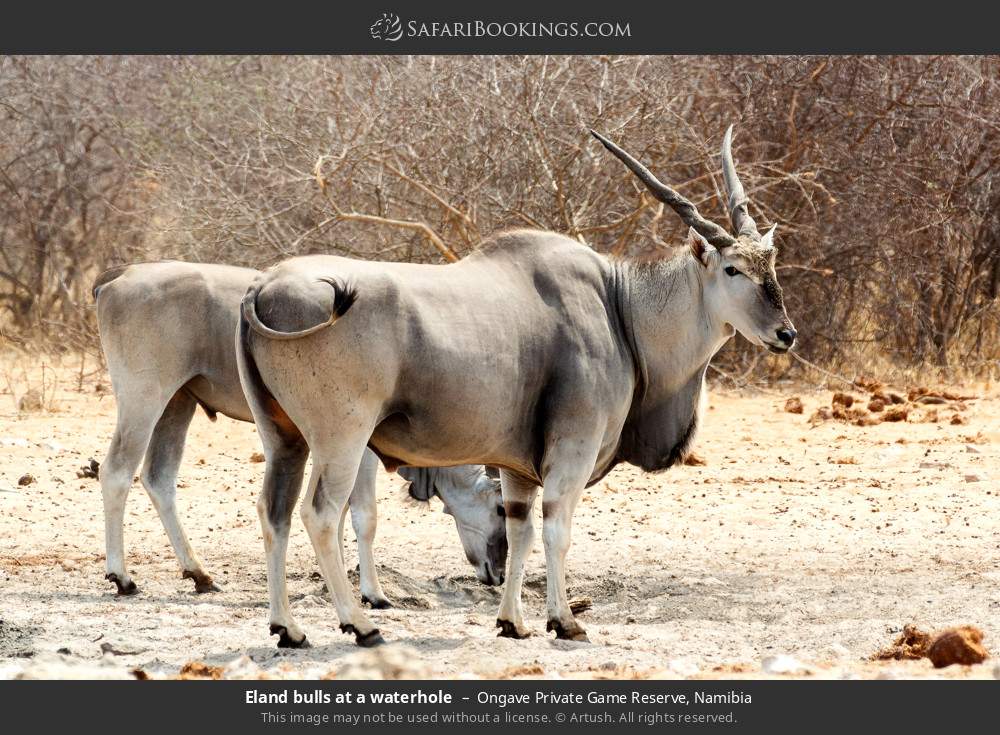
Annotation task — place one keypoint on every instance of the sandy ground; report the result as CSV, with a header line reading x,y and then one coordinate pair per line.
x,y
817,542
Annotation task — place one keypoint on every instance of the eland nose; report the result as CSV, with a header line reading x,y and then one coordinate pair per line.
x,y
787,335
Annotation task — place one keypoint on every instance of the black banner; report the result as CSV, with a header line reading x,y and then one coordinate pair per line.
x,y
490,706
449,27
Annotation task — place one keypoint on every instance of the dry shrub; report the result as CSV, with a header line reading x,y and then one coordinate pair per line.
x,y
880,172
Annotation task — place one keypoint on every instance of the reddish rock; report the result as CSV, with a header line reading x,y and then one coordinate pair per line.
x,y
961,645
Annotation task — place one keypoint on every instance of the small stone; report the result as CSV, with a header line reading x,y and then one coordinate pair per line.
x,y
899,413
843,399
794,405
257,457
69,565
961,645
30,402
973,478
26,480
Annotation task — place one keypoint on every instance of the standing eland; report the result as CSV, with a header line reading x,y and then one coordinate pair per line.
x,y
167,330
534,354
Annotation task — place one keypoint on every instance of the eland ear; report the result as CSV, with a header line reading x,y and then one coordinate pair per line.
x,y
768,238
700,247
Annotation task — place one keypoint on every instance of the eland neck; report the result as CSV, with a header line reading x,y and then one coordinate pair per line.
x,y
672,335
673,330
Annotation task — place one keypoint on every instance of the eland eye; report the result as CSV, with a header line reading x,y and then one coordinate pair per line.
x,y
731,271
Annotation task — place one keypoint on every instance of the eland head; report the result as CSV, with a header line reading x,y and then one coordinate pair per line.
x,y
740,283
473,499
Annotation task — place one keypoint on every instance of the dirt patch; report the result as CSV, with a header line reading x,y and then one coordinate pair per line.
x,y
912,644
918,405
199,670
768,549
15,640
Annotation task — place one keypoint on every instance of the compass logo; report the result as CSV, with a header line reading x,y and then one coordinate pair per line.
x,y
387,28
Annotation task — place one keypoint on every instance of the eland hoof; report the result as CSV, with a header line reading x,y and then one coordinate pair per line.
x,y
369,640
202,582
572,632
376,604
509,630
124,590
285,640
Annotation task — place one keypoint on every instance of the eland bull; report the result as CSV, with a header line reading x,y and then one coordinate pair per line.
x,y
167,331
534,354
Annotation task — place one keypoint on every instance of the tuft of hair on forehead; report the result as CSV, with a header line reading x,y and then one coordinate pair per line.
x,y
759,256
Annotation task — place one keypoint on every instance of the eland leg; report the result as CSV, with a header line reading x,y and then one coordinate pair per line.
x,y
364,518
323,511
138,412
159,477
562,488
518,500
286,453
